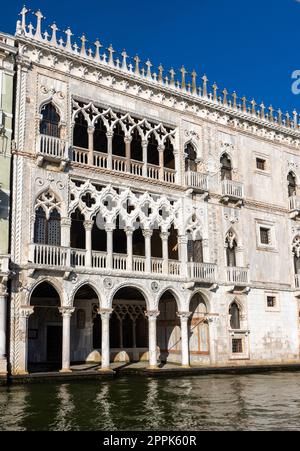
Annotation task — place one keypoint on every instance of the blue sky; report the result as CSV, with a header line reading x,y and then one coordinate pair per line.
x,y
248,46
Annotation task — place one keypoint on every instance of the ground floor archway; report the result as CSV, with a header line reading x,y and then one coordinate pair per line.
x,y
129,326
45,330
168,330
199,337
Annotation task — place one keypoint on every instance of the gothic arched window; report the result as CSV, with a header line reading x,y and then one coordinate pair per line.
x,y
47,220
191,157
118,145
80,135
231,245
100,137
226,167
234,312
195,251
47,230
50,121
136,146
169,161
292,185
152,151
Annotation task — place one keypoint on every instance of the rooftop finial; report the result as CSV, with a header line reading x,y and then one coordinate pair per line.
x,y
137,65
149,65
183,74
205,80
160,73
215,90
234,96
172,80
253,103
54,31
225,94
111,55
124,62
23,13
38,33
83,48
194,82
69,34
98,47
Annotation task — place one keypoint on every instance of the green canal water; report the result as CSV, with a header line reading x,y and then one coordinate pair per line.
x,y
251,402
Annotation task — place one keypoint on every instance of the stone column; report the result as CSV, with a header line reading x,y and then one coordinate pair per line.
x,y
105,317
110,248
152,320
161,151
128,140
185,353
3,322
24,313
147,235
109,149
145,158
165,251
129,233
66,237
91,131
66,312
183,254
88,225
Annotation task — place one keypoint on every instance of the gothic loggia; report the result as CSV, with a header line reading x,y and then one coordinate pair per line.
x,y
153,217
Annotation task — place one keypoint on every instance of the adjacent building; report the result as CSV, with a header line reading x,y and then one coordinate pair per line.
x,y
153,219
7,58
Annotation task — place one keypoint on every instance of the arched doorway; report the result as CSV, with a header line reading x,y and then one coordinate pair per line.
x,y
45,330
86,327
199,330
169,330
129,326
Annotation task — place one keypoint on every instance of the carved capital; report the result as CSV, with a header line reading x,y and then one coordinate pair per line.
x,y
66,222
105,313
88,225
26,312
153,314
164,236
147,233
129,231
184,316
67,312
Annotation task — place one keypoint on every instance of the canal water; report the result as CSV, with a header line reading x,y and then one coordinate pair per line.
x,y
248,402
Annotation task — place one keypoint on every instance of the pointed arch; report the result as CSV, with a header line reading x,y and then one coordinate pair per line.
x,y
50,120
226,166
235,312
231,244
80,131
191,156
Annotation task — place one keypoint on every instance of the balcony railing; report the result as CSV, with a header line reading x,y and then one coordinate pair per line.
x,y
202,272
294,203
197,181
49,256
238,276
52,148
53,256
120,164
232,189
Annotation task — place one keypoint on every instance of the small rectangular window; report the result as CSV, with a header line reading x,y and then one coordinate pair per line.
x,y
237,346
261,164
265,236
271,301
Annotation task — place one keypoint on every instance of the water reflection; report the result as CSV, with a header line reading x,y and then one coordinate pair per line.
x,y
254,402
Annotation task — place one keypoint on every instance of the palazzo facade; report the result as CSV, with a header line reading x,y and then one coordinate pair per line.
x,y
152,219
